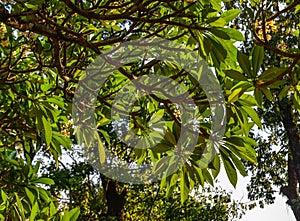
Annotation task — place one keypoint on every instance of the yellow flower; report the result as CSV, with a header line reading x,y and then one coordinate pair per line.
x,y
270,23
5,43
269,37
282,45
257,25
274,28
3,29
2,35
260,36
113,22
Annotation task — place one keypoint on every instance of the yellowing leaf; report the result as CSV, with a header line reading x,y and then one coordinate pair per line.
x,y
101,151
234,96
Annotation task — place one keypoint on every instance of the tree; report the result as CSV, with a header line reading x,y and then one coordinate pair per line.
x,y
274,27
47,45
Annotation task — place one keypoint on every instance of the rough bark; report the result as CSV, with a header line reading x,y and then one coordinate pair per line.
x,y
291,191
115,200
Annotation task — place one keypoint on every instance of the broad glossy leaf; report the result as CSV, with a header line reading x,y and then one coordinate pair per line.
x,y
234,34
234,96
230,170
20,208
258,56
47,130
3,196
258,96
220,33
43,180
231,14
220,22
244,63
252,113
271,73
267,93
30,195
34,211
283,93
235,75
101,151
74,214
184,187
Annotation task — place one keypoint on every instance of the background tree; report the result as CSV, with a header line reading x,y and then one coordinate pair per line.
x,y
78,184
275,27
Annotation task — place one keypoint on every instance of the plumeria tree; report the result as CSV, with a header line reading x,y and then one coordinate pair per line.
x,y
206,99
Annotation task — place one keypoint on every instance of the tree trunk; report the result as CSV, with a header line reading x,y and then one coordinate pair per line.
x,y
115,201
291,191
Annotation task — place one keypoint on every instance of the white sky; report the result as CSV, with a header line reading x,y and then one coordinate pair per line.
x,y
279,211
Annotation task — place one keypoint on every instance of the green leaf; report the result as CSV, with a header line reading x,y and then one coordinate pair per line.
x,y
252,113
268,93
245,152
231,14
184,187
235,75
216,4
207,176
283,93
31,6
56,101
43,194
44,180
101,151
53,210
234,34
199,175
247,100
257,58
271,73
30,195
156,116
66,216
255,3
258,96
234,96
297,9
174,179
161,148
242,84
296,100
34,211
170,137
217,166
244,63
220,33
47,130
230,169
20,207
238,164
220,22
161,165
74,214
4,196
